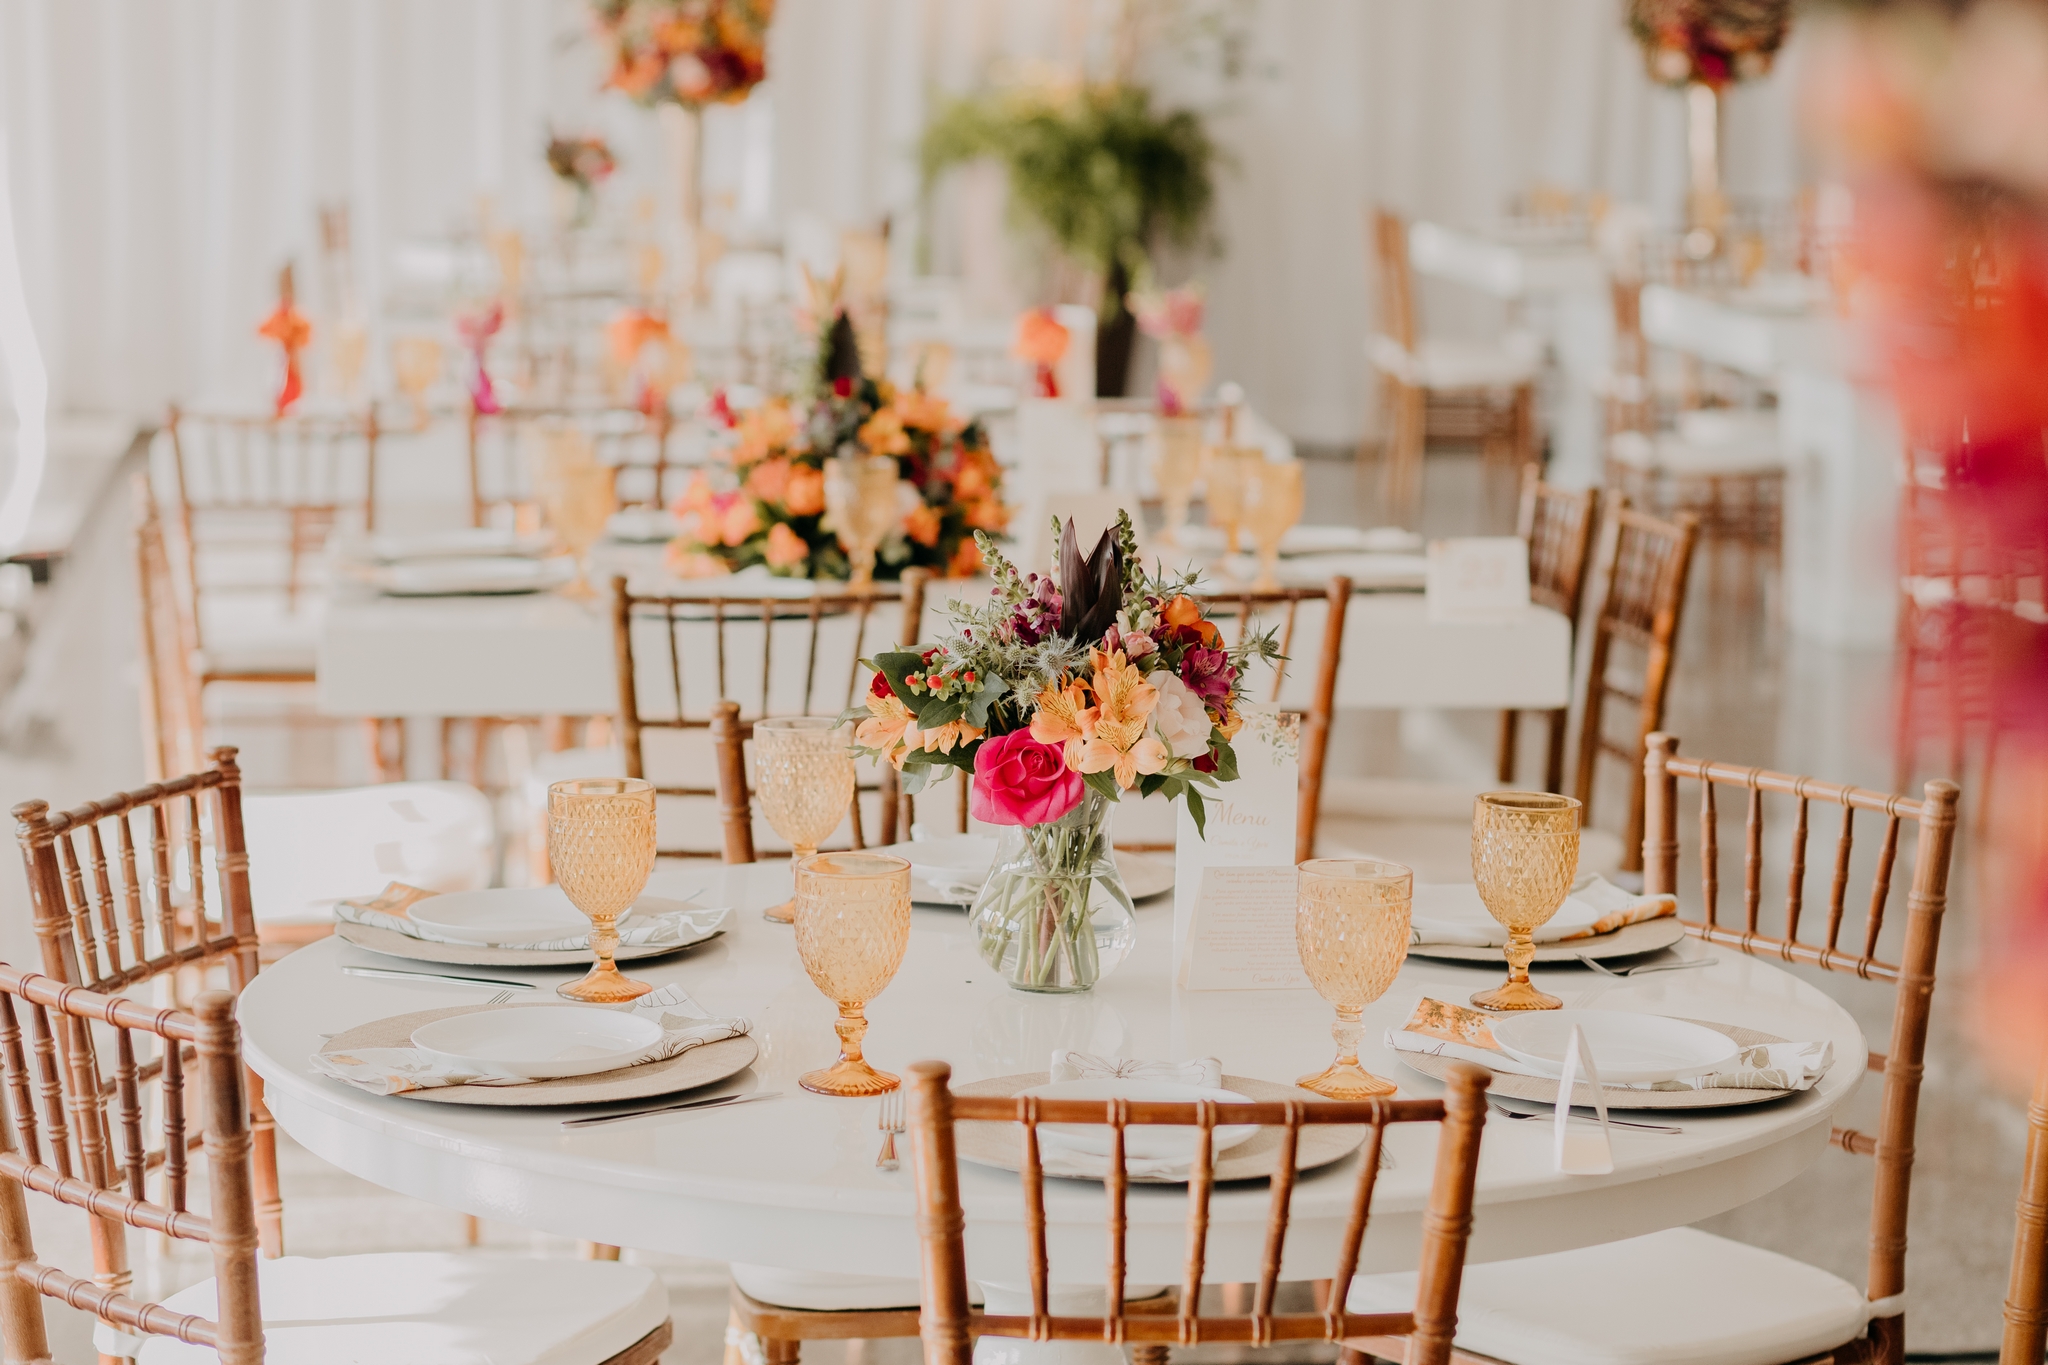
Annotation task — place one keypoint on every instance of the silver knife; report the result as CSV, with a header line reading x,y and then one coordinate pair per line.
x,y
487,983
720,1101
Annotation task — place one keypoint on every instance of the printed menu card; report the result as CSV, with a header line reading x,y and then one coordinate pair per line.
x,y
1233,891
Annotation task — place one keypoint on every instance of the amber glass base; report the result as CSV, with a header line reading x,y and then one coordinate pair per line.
x,y
1516,995
848,1078
1347,1082
605,985
784,913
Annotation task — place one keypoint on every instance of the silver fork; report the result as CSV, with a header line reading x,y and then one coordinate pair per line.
x,y
890,1121
1678,966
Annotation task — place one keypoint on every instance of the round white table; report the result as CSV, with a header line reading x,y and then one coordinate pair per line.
x,y
792,1183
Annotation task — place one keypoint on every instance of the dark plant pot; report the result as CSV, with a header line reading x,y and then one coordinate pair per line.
x,y
1116,334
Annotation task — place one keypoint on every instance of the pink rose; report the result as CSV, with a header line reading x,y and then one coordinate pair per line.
x,y
1018,781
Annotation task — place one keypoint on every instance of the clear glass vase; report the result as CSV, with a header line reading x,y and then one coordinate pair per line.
x,y
1054,915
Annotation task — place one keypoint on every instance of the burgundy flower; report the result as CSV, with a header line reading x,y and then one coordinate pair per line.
x,y
1207,762
1208,674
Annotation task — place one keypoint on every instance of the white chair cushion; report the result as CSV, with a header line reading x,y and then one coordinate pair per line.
x,y
1447,364
435,1308
1678,1297
822,1290
308,850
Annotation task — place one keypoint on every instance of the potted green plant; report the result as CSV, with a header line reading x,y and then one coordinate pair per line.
x,y
1108,176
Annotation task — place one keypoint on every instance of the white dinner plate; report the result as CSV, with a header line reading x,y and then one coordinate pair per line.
x,y
490,576
1142,1142
1628,1047
505,916
539,1042
458,542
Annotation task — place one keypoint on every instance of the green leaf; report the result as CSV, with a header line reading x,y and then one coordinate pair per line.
x,y
1226,761
896,665
936,712
1103,782
1151,783
914,777
977,705
1200,812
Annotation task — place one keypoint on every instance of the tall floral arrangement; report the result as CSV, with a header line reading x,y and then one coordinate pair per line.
x,y
581,164
1173,318
767,506
1061,696
687,52
1714,42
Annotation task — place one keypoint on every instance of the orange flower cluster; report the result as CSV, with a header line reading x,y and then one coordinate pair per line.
x,y
1110,735
891,729
687,52
769,509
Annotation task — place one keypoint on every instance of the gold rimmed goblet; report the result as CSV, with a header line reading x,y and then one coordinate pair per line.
x,y
601,847
803,777
852,925
1525,852
1351,921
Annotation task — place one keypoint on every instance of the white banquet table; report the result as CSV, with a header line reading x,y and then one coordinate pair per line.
x,y
792,1183
547,655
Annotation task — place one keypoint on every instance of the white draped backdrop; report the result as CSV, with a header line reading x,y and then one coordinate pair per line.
x,y
168,155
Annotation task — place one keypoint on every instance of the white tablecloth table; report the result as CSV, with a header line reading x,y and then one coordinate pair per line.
x,y
792,1183
547,655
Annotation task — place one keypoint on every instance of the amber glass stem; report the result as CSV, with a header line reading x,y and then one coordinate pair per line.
x,y
1347,1031
1521,951
604,941
852,1026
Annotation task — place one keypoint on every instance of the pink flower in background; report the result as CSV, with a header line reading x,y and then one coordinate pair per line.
x,y
1019,781
1169,312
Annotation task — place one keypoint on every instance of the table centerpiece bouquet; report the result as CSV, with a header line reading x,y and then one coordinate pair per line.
x,y
1061,696
773,503
580,165
686,52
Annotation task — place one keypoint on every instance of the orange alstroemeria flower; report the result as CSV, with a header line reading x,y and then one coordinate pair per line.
x,y
922,524
763,431
883,730
1118,742
769,480
883,434
1064,717
966,561
786,549
925,411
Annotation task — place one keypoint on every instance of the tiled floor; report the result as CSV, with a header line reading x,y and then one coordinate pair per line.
x,y
1743,691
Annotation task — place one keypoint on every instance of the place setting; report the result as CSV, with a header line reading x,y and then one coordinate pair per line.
x,y
602,1038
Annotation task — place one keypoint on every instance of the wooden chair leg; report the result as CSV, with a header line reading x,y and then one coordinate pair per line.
x,y
777,1352
597,1251
1505,766
472,1230
263,1172
963,780
1553,754
385,736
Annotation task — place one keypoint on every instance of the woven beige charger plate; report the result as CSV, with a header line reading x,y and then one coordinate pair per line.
x,y
1001,1144
1646,937
1617,1097
699,1066
391,943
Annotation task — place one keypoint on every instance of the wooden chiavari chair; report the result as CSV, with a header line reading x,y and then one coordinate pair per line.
x,y
1559,527
267,483
1669,1280
61,1141
1468,392
503,451
145,917
2026,1294
173,715
669,643
950,1325
1643,574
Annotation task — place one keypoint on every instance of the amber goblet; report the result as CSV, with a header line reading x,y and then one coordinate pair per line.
x,y
803,778
1223,490
852,925
1272,506
1351,920
1176,464
1525,852
601,847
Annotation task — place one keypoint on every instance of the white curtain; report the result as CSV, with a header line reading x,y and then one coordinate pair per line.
x,y
169,155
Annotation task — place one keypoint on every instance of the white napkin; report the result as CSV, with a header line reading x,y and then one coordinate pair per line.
x,y
674,928
394,1070
1068,1065
1451,914
1761,1066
